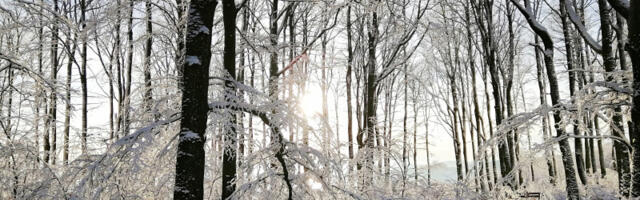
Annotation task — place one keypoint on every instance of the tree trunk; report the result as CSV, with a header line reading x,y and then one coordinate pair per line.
x,y
573,191
83,75
405,154
148,91
127,88
548,152
190,158
622,153
67,109
54,77
566,30
633,48
230,135
348,82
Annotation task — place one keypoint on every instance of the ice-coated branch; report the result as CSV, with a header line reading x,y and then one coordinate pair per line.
x,y
263,116
535,25
596,46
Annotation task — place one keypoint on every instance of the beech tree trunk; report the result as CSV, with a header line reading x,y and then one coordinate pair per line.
x,y
573,191
568,40
230,135
190,157
83,75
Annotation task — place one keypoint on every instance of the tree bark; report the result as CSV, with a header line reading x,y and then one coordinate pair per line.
x,y
83,75
54,77
609,62
348,82
573,191
148,91
568,40
190,158
230,135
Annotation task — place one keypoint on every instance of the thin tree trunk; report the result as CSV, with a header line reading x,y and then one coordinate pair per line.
x,y
622,152
83,75
148,91
405,154
127,88
229,151
566,30
548,152
67,110
426,143
54,77
348,82
573,191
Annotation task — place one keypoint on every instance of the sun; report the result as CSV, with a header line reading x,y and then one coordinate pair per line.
x,y
311,102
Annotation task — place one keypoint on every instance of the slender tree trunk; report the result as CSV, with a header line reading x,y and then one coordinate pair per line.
x,y
512,138
230,135
573,191
276,137
47,120
568,37
127,88
454,113
54,77
426,143
83,75
548,152
484,11
67,109
415,135
348,82
405,153
148,91
609,62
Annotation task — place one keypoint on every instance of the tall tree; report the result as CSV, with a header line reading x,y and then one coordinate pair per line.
x,y
230,152
569,51
54,77
83,74
606,50
148,48
348,82
190,157
573,191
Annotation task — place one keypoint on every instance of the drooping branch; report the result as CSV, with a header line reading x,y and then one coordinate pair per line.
x,y
596,46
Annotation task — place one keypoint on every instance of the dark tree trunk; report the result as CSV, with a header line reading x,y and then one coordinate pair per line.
x,y
190,157
633,48
83,76
568,40
229,152
484,18
148,91
127,79
609,62
67,109
348,80
543,102
573,191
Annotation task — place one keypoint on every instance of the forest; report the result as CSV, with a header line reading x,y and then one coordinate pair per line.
x,y
319,99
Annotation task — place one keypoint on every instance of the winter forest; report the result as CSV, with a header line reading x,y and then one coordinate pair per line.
x,y
319,99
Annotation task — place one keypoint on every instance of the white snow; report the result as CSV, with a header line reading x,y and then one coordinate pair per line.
x,y
203,29
193,60
189,135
